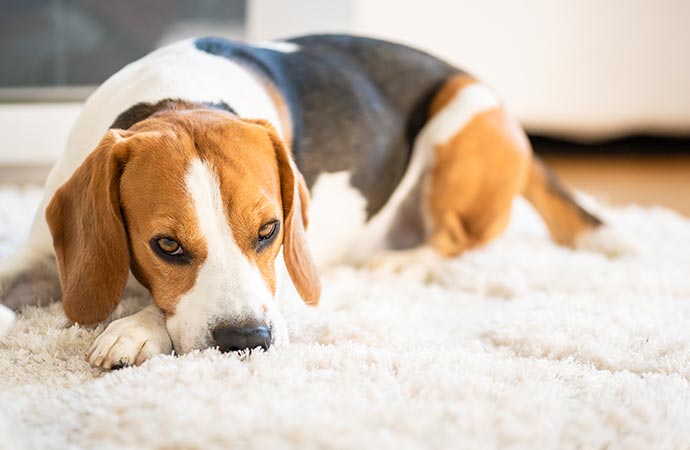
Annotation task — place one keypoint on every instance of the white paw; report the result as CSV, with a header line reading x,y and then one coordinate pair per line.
x,y
420,264
608,241
131,341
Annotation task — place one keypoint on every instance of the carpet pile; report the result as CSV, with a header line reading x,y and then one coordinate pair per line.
x,y
522,344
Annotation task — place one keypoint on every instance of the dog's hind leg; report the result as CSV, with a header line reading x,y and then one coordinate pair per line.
x,y
480,170
475,161
478,167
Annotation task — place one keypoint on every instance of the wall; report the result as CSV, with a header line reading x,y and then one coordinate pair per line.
x,y
586,68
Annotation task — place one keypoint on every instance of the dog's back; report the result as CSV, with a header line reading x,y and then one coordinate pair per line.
x,y
356,104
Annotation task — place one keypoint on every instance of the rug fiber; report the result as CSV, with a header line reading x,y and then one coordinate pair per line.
x,y
522,344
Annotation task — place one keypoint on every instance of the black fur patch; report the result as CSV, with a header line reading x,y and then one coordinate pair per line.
x,y
356,104
143,110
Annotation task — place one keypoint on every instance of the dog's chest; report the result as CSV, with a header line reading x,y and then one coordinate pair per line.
x,y
338,222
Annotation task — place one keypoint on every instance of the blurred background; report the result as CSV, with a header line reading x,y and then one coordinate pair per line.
x,y
602,86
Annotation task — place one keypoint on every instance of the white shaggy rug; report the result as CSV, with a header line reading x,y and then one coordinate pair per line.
x,y
519,345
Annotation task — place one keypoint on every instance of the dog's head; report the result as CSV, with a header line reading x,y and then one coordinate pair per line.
x,y
197,203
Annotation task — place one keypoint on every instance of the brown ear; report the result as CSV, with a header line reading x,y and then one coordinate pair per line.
x,y
89,234
295,197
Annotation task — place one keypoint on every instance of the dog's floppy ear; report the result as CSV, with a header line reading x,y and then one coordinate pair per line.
x,y
89,233
295,198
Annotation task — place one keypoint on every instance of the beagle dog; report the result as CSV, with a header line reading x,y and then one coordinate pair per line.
x,y
204,170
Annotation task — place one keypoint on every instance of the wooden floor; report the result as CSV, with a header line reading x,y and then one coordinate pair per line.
x,y
621,179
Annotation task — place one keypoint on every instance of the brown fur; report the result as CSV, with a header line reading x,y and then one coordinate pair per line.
x,y
89,236
477,174
295,197
134,181
565,219
449,89
154,203
473,182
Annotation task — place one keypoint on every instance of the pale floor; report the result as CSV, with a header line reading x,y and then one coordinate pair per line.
x,y
621,179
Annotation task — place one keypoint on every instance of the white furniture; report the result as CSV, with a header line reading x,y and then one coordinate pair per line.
x,y
587,69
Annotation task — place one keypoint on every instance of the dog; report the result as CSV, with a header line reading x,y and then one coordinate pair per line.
x,y
208,168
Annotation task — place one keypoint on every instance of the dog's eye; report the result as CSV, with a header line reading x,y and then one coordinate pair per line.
x,y
169,246
267,230
170,250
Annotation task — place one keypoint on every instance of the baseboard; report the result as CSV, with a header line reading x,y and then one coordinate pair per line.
x,y
24,174
34,134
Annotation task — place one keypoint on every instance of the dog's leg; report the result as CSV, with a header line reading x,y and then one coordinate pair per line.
x,y
478,159
478,168
478,172
29,278
475,161
131,340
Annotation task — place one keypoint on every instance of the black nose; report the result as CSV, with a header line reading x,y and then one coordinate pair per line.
x,y
234,339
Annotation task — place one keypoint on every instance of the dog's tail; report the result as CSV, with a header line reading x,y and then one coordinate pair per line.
x,y
564,217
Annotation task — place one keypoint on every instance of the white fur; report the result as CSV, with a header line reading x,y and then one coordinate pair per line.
x,y
467,103
338,226
279,46
131,340
175,71
337,216
6,319
228,287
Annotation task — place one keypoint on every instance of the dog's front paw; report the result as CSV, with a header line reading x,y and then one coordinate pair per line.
x,y
131,341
